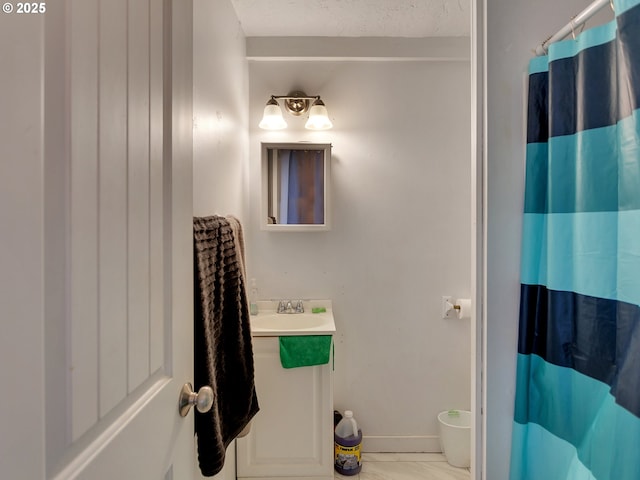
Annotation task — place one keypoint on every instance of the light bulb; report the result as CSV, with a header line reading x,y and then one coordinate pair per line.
x,y
318,117
272,118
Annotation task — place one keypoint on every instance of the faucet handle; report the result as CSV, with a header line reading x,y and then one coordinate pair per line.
x,y
282,306
299,307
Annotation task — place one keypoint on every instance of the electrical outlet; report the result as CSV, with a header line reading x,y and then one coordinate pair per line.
x,y
447,309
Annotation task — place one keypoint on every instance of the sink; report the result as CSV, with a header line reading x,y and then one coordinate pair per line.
x,y
277,321
269,323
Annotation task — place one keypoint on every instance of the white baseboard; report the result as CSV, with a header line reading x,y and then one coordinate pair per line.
x,y
401,444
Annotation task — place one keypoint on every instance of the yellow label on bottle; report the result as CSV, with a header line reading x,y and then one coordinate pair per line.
x,y
347,458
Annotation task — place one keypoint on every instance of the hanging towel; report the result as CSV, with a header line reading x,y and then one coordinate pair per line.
x,y
305,350
238,237
223,357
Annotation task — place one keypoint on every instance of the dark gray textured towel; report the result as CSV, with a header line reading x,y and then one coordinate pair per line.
x,y
222,340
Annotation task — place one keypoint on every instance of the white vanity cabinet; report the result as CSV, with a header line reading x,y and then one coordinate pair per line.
x,y
292,434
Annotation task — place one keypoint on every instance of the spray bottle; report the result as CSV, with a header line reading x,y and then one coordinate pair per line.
x,y
253,298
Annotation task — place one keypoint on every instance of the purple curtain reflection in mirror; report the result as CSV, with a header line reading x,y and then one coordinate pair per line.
x,y
301,186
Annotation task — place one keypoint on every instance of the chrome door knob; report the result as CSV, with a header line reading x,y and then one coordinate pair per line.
x,y
203,400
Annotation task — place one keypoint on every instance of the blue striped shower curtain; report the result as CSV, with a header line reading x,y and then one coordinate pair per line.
x,y
577,409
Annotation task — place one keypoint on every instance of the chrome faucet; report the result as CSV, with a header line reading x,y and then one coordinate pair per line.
x,y
282,306
287,306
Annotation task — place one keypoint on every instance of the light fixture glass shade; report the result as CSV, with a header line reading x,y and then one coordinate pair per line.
x,y
318,117
272,118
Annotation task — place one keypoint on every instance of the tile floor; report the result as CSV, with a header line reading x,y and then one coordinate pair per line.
x,y
407,466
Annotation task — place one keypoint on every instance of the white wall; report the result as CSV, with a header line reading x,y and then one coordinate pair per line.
x,y
514,28
220,134
399,240
220,109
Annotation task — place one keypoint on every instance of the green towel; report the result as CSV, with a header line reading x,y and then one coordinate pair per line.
x,y
305,350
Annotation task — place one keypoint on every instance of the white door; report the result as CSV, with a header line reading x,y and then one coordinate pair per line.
x,y
96,253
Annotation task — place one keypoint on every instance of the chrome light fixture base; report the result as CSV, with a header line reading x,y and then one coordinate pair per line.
x,y
297,103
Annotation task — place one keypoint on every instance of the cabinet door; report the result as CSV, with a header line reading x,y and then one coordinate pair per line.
x,y
292,435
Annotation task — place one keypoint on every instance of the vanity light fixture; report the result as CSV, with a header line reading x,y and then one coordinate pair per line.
x,y
296,103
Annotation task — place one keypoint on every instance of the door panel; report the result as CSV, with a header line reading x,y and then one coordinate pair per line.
x,y
156,132
140,234
112,237
84,236
112,257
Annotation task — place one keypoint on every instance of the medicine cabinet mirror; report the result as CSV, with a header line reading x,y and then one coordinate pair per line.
x,y
295,186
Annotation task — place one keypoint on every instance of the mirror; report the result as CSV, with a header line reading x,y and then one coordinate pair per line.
x,y
295,186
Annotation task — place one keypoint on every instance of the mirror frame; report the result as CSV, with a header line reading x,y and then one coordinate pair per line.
x,y
264,194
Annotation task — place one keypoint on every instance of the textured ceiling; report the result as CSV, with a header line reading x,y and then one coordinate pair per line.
x,y
354,18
